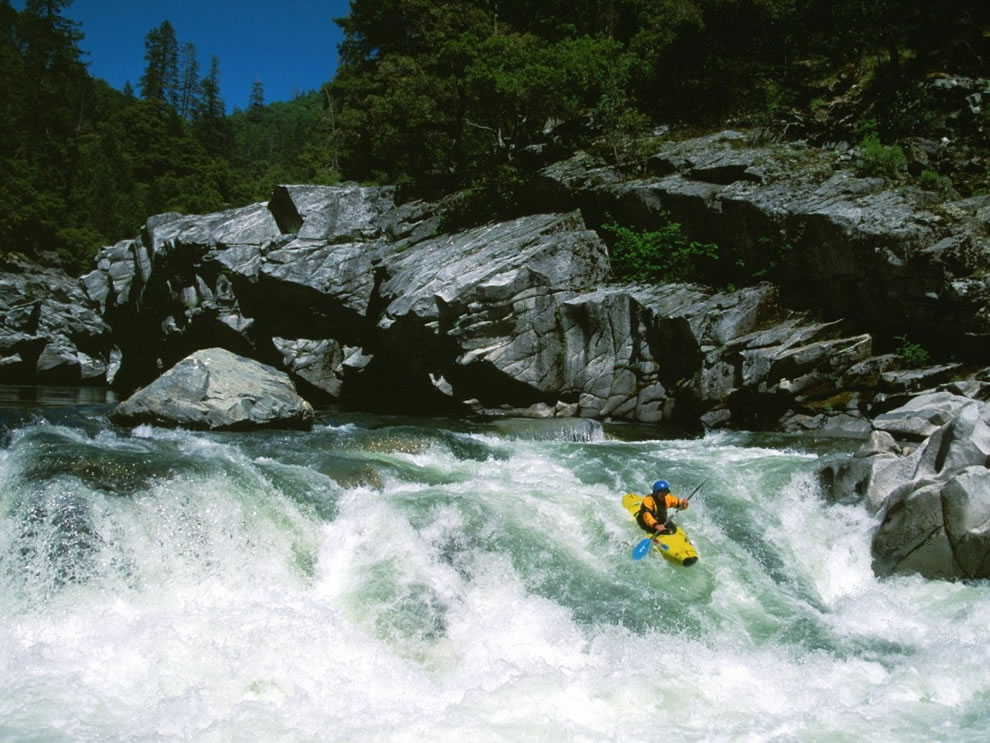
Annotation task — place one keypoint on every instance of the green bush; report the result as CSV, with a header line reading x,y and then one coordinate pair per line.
x,y
932,181
913,354
876,159
661,255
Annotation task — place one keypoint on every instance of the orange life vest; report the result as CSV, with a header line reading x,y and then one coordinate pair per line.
x,y
653,510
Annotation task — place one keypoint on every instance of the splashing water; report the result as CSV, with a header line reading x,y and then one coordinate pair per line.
x,y
397,580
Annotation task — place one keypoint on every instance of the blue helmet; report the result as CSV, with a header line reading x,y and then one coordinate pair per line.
x,y
661,486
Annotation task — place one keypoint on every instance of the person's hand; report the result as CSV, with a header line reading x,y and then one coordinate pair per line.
x,y
683,506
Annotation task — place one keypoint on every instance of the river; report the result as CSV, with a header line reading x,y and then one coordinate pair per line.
x,y
397,579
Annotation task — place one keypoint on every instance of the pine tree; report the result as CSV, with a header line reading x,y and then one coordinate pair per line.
x,y
160,80
209,123
257,100
44,100
188,81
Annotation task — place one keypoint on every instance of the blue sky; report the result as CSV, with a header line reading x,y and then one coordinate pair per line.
x,y
290,45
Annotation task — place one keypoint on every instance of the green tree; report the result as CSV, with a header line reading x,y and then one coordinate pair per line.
x,y
287,141
512,86
45,100
188,97
160,80
209,125
444,94
257,100
400,105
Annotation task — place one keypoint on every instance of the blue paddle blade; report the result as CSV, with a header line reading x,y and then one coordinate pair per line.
x,y
640,550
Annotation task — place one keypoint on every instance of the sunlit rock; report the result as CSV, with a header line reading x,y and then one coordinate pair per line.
x,y
217,390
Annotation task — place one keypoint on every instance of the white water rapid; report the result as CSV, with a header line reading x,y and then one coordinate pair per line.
x,y
399,580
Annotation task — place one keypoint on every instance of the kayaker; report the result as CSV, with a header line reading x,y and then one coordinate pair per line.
x,y
652,515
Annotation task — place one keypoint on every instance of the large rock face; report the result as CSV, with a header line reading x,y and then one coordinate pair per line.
x,y
477,311
893,260
50,332
217,390
369,304
933,501
511,317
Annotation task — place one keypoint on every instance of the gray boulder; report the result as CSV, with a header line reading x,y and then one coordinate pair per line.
x,y
191,234
51,332
335,280
481,310
299,263
317,362
912,537
967,520
217,390
921,416
933,501
877,469
332,214
918,380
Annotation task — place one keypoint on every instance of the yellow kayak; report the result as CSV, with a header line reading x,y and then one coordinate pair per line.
x,y
676,547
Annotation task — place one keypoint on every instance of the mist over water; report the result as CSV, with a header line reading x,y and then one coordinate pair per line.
x,y
400,580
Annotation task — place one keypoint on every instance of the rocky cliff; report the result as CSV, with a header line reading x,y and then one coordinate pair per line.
x,y
890,260
370,303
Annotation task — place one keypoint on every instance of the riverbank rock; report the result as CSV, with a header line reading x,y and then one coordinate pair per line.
x,y
891,259
50,331
369,304
932,500
217,390
373,304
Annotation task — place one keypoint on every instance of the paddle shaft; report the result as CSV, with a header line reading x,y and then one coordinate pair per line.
x,y
667,523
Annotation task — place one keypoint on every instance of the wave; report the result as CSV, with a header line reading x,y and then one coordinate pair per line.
x,y
416,578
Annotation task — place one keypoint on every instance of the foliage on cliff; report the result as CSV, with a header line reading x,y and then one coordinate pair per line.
x,y
440,94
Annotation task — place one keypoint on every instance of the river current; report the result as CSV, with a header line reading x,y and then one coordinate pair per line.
x,y
397,579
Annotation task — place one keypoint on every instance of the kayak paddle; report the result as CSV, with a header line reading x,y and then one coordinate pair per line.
x,y
671,519
640,550
698,488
